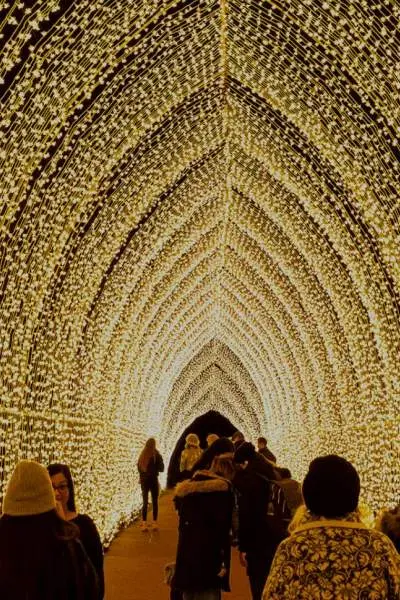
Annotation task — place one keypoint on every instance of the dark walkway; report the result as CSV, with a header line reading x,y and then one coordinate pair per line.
x,y
135,562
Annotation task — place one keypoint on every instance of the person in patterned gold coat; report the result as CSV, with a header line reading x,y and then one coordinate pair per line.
x,y
332,555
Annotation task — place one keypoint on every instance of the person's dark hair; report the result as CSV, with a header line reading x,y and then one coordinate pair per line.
x,y
221,446
148,452
331,487
245,452
237,436
284,472
262,440
222,465
56,468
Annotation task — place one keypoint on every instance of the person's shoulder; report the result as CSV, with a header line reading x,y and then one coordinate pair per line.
x,y
82,519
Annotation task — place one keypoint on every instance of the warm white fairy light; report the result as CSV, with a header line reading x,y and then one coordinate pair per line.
x,y
191,184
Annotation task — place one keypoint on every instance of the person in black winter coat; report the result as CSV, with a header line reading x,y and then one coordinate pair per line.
x,y
41,557
257,544
149,465
205,505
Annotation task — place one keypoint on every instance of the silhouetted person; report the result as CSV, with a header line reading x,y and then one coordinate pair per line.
x,y
333,551
221,446
256,541
205,505
291,489
211,438
264,450
237,439
150,464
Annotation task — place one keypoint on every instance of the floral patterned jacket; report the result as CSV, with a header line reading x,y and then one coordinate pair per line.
x,y
334,560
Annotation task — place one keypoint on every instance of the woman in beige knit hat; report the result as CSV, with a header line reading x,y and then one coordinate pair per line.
x,y
41,557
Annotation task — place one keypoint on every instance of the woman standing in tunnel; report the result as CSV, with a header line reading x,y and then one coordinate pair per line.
x,y
150,464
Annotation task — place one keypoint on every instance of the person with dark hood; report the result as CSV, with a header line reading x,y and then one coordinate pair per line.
x,y
205,504
258,539
64,491
221,445
41,557
332,551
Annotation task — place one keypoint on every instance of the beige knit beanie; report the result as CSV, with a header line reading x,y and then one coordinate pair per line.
x,y
29,491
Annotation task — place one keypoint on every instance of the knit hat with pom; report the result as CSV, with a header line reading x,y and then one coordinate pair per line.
x,y
29,491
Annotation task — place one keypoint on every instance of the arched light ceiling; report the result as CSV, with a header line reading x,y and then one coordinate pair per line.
x,y
200,210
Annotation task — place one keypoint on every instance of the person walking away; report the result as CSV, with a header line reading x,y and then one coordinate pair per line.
x,y
291,489
334,551
64,491
211,438
220,446
257,539
41,557
205,504
237,439
264,450
149,465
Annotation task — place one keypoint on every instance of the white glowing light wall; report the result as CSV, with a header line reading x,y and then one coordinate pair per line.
x,y
199,211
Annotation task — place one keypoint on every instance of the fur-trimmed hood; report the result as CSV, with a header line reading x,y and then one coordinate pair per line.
x,y
203,482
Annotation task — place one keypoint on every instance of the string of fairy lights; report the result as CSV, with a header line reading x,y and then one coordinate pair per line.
x,y
199,210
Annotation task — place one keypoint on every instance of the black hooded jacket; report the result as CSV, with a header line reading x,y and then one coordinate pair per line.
x,y
205,505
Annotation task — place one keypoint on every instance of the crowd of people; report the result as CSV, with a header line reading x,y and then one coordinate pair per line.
x,y
295,541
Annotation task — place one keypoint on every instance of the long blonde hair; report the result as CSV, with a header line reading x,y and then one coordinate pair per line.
x,y
148,452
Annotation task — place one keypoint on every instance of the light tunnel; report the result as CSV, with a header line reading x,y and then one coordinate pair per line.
x,y
199,211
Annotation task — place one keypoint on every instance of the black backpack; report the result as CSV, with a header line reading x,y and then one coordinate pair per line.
x,y
277,512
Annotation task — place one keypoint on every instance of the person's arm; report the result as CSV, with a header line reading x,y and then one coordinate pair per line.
x,y
90,539
160,463
80,573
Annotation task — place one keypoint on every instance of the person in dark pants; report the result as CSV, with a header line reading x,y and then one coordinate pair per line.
x,y
257,543
150,464
64,491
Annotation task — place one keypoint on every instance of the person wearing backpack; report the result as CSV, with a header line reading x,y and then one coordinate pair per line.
x,y
261,510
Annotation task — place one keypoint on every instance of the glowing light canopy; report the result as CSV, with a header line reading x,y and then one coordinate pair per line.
x,y
199,210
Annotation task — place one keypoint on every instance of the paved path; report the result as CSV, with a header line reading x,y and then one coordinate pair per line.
x,y
134,564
